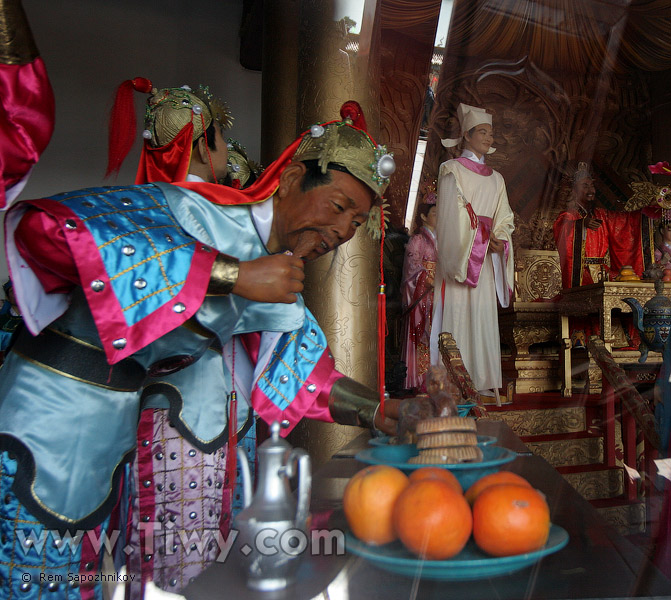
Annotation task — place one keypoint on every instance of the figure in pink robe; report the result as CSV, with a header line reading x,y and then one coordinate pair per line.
x,y
419,268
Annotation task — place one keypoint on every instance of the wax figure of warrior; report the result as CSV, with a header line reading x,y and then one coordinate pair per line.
x,y
191,492
119,284
419,269
475,254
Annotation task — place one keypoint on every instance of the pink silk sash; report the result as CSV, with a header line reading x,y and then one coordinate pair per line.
x,y
479,251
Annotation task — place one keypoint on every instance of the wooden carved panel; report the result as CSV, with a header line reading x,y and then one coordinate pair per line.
x,y
531,112
538,275
404,66
544,123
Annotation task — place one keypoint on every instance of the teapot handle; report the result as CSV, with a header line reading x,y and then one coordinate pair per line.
x,y
246,478
302,459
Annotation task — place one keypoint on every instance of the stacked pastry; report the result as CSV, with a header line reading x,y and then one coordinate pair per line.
x,y
446,440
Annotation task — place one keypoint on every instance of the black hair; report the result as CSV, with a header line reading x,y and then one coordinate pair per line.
x,y
422,210
313,176
209,136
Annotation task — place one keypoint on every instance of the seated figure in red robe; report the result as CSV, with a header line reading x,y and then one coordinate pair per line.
x,y
594,244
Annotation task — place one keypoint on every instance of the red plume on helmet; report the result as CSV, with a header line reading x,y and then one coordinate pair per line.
x,y
352,110
122,125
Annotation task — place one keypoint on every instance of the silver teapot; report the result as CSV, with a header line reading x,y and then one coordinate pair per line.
x,y
272,527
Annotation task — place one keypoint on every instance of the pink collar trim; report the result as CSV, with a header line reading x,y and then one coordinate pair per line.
x,y
476,167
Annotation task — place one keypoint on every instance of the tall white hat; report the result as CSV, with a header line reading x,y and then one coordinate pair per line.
x,y
469,117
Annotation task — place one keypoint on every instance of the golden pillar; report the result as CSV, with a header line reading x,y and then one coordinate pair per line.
x,y
331,65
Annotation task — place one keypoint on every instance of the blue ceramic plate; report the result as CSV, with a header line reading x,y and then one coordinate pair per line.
x,y
494,457
483,440
470,564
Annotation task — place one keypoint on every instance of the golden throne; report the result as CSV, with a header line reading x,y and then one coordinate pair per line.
x,y
529,327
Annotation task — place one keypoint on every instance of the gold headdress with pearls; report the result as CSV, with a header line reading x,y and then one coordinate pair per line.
x,y
346,144
170,109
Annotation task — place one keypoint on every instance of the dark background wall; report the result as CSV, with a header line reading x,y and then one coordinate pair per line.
x,y
90,46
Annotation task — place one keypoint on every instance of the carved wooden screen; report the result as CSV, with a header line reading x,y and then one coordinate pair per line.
x,y
565,81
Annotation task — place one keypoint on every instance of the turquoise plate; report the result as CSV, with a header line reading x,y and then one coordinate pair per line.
x,y
464,409
470,564
384,440
494,457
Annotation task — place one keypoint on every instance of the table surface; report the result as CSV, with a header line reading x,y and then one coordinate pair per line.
x,y
596,563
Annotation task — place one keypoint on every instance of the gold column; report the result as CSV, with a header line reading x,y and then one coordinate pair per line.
x,y
340,290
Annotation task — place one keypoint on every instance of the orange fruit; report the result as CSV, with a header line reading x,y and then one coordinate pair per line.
x,y
432,519
437,473
369,500
510,519
493,479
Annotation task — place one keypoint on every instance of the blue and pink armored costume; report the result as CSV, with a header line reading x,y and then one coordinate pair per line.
x,y
114,280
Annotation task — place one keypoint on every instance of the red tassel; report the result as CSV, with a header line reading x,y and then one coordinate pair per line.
x,y
122,126
232,456
381,334
381,321
352,110
472,215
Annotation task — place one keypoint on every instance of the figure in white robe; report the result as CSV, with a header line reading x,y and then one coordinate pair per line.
x,y
475,255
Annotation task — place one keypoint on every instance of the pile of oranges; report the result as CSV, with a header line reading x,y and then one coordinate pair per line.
x,y
433,517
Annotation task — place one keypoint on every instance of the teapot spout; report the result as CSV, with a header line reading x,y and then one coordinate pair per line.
x,y
637,311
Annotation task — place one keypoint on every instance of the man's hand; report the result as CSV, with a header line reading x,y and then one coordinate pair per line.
x,y
275,278
389,424
592,223
495,245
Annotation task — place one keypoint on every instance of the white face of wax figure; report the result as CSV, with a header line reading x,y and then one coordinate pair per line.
x,y
479,139
430,218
